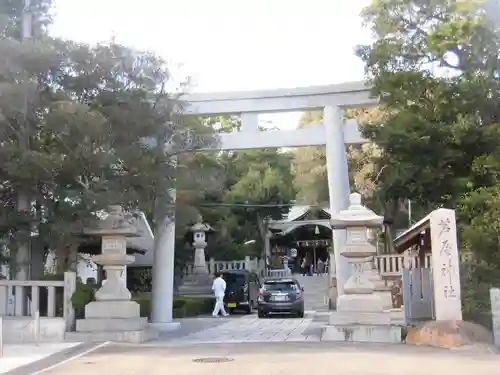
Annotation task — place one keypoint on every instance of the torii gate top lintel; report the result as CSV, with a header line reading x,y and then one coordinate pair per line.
x,y
352,94
248,104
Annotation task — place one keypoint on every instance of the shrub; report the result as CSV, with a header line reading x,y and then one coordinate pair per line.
x,y
476,281
83,294
183,307
194,306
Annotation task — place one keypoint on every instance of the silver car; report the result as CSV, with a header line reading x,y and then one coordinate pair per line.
x,y
281,295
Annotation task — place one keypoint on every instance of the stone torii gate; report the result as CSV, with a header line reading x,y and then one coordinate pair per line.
x,y
334,133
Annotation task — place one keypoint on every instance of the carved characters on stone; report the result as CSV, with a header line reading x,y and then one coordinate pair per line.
x,y
445,251
445,265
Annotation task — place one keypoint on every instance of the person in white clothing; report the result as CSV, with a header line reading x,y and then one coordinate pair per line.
x,y
219,288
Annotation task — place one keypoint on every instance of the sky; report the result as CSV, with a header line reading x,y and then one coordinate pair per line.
x,y
231,45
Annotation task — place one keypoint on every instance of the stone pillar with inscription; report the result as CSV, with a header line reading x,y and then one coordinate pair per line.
x,y
360,315
199,282
113,316
445,265
495,314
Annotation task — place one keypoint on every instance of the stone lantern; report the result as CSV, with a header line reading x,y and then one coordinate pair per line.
x,y
359,315
199,282
113,316
200,231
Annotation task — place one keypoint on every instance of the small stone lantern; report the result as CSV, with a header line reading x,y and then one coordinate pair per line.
x,y
200,231
199,282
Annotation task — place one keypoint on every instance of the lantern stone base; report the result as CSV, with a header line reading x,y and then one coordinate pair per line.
x,y
384,292
196,285
112,309
108,324
357,317
359,303
360,318
112,321
362,333
133,337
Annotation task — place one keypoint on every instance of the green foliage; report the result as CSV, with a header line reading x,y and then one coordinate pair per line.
x,y
476,281
139,279
84,294
435,128
311,179
238,177
275,262
480,227
92,134
435,67
10,17
193,306
183,307
252,177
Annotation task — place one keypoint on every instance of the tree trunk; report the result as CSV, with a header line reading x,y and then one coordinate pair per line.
x,y
391,211
37,259
67,257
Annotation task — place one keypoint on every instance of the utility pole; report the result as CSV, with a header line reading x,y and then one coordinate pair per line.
x,y
409,214
23,199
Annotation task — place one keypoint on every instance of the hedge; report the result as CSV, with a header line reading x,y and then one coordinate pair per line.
x,y
483,318
183,306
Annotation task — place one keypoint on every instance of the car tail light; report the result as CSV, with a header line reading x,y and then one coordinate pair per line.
x,y
261,295
245,287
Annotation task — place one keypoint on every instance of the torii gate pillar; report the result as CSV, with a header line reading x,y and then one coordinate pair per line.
x,y
338,187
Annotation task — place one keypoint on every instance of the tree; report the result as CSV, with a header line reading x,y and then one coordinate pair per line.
x,y
435,67
258,177
92,134
438,96
11,17
310,167
311,178
243,178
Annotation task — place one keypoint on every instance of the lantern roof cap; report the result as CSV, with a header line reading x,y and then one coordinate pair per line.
x,y
200,226
355,215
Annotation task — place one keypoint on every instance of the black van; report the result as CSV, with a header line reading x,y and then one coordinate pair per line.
x,y
242,290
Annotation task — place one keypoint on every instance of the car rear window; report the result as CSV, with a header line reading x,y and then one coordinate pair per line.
x,y
234,278
281,286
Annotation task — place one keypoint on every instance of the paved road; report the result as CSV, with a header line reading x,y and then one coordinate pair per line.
x,y
246,328
285,358
276,345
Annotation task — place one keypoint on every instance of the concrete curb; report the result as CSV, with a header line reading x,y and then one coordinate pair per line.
x,y
56,359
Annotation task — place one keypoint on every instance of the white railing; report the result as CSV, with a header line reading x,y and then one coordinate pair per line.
x,y
213,266
389,265
25,297
279,272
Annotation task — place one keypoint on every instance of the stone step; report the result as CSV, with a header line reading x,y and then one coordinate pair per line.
x,y
134,337
362,333
314,291
105,324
